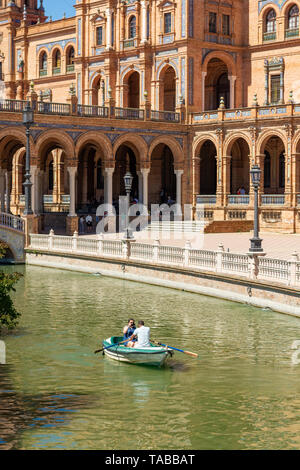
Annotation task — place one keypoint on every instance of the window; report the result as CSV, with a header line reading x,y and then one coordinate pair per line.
x,y
70,59
275,88
43,64
212,22
271,22
132,27
99,36
56,62
226,25
168,23
293,18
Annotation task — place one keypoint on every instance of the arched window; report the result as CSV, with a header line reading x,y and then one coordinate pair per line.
x,y
56,62
70,59
132,27
271,22
293,17
43,64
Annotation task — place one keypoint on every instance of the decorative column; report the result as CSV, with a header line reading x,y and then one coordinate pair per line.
x,y
72,175
178,174
226,178
108,186
108,29
72,219
196,179
34,189
84,180
140,176
2,190
144,7
232,80
203,90
145,172
8,190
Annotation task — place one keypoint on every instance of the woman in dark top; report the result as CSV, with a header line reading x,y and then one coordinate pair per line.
x,y
129,329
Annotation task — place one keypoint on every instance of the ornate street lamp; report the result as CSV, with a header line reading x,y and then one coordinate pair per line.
x,y
28,121
255,247
128,179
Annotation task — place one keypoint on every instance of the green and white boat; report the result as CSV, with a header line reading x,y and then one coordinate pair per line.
x,y
152,356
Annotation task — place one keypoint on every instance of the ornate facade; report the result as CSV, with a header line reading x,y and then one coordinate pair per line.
x,y
188,94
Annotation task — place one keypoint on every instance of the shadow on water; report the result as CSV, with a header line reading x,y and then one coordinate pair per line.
x,y
20,412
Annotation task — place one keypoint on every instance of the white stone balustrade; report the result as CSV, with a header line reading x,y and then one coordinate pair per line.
x,y
247,266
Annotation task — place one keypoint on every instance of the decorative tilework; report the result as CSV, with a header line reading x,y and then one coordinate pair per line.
x,y
50,45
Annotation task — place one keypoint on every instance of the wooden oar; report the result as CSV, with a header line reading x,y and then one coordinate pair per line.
x,y
176,349
115,344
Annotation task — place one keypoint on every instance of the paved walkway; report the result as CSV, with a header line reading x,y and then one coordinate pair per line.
x,y
275,245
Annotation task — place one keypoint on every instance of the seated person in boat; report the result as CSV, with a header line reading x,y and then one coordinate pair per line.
x,y
142,333
128,330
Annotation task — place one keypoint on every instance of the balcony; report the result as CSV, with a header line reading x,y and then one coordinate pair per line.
x,y
129,113
43,72
272,200
62,109
292,33
269,37
239,200
92,111
165,116
207,200
56,71
70,68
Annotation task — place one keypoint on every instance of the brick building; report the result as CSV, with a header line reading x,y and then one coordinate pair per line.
x,y
187,94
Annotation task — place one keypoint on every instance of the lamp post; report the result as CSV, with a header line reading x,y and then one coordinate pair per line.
x,y
28,120
255,247
128,179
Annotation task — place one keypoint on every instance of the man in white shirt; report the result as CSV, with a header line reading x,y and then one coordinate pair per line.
x,y
143,336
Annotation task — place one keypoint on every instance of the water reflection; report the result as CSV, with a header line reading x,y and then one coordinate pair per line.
x,y
19,412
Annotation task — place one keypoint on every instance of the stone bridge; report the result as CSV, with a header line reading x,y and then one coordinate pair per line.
x,y
12,232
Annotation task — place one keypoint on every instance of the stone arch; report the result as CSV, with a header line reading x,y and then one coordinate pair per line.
x,y
224,57
164,64
296,143
265,136
131,83
174,147
168,88
200,141
11,139
264,11
137,145
231,139
55,138
98,139
287,6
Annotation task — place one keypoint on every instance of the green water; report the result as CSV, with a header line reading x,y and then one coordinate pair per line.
x,y
55,393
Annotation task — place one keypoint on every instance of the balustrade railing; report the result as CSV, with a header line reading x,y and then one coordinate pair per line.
x,y
45,107
220,261
92,111
12,221
129,113
207,200
12,106
165,116
272,200
238,200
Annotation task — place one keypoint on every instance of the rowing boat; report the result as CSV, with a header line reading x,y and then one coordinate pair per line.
x,y
151,356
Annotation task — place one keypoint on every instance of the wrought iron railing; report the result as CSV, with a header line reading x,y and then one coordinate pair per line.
x,y
43,72
129,113
291,33
270,36
12,106
165,116
44,107
94,111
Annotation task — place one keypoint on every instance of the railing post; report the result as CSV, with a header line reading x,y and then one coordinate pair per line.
x,y
74,241
50,240
100,244
187,249
293,269
220,253
126,249
253,265
155,250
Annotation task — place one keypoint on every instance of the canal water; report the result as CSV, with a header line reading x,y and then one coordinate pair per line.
x,y
242,393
